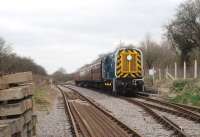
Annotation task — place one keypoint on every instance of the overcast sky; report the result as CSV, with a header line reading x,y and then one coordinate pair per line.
x,y
71,33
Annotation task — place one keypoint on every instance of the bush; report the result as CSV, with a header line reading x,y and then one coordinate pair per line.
x,y
179,85
187,92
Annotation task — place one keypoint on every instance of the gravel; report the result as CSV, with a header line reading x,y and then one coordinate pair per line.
x,y
131,115
53,123
191,128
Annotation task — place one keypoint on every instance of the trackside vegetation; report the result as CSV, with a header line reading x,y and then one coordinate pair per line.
x,y
40,99
186,92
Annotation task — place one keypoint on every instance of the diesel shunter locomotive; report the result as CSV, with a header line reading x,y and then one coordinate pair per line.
x,y
122,71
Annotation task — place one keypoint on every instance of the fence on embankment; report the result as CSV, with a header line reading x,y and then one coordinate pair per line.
x,y
175,71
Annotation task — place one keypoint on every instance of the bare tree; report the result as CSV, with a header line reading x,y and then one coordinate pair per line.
x,y
156,55
184,30
11,62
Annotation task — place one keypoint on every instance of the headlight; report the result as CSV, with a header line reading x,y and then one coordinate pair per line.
x,y
129,57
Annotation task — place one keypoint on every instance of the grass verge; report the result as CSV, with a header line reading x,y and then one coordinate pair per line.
x,y
186,92
40,99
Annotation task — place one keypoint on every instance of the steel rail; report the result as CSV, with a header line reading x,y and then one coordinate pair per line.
x,y
174,125
192,108
69,113
122,125
87,127
160,119
190,114
175,112
189,107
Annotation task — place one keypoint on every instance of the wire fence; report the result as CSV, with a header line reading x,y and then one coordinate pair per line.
x,y
174,71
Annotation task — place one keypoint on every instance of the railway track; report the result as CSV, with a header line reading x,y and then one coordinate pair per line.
x,y
194,109
159,118
185,122
179,110
89,120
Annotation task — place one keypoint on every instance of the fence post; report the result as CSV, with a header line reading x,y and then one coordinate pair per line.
x,y
195,69
184,70
166,72
153,75
175,70
159,73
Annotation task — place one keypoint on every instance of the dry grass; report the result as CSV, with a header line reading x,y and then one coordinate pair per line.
x,y
43,97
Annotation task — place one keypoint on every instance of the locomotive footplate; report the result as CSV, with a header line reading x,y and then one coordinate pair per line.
x,y
130,84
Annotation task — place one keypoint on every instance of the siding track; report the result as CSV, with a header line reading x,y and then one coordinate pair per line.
x,y
185,121
89,120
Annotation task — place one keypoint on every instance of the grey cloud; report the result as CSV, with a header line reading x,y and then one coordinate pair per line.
x,y
94,27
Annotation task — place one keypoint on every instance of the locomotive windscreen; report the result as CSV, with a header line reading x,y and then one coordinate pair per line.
x,y
129,63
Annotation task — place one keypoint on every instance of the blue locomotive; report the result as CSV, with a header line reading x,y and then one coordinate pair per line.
x,y
121,71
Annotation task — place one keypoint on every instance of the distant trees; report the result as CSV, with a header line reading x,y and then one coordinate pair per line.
x,y
156,55
10,62
4,48
61,75
183,39
184,31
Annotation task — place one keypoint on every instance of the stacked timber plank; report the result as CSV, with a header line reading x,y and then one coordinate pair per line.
x,y
16,105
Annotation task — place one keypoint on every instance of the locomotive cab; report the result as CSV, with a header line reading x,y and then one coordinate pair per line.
x,y
128,71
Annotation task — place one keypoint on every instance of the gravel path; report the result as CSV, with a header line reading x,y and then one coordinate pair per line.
x,y
132,115
53,123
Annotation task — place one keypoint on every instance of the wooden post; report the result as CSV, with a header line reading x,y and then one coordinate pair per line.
x,y
159,73
166,72
184,70
34,120
195,69
153,75
175,70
